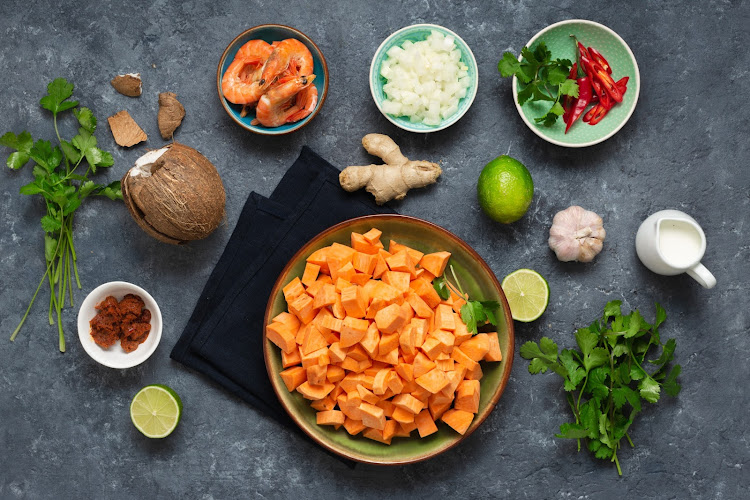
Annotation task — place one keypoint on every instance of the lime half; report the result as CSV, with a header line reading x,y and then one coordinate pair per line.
x,y
156,411
527,293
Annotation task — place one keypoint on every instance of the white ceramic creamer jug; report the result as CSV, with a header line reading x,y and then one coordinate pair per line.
x,y
671,242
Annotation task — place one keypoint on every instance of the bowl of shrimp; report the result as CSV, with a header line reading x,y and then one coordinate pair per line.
x,y
272,79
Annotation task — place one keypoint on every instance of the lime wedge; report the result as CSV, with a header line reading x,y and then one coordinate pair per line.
x,y
156,410
527,293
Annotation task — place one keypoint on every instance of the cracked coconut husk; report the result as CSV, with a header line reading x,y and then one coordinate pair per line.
x,y
125,130
129,84
171,113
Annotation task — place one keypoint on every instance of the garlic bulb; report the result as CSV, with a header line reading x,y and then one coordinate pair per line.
x,y
576,234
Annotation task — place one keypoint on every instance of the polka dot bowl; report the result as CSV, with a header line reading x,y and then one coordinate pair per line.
x,y
561,45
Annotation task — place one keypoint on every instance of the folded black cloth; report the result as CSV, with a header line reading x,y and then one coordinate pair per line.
x,y
224,337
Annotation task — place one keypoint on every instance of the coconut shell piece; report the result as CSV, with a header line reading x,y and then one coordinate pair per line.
x,y
177,198
171,113
130,85
125,130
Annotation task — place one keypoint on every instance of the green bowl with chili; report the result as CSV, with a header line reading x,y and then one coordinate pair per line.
x,y
561,45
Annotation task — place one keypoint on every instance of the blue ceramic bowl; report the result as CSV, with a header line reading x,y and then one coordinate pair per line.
x,y
415,33
272,33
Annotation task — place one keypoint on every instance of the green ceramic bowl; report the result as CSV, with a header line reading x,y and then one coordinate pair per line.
x,y
415,33
561,45
476,278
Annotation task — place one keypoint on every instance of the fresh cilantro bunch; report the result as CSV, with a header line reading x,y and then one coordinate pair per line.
x,y
63,190
607,378
542,79
474,313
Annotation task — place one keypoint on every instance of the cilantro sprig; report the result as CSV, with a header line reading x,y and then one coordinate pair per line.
x,y
63,190
474,313
542,79
608,376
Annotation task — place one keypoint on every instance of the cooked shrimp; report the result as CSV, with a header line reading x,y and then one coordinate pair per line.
x,y
287,102
240,81
289,56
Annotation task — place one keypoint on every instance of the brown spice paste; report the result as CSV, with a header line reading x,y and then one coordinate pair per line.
x,y
127,321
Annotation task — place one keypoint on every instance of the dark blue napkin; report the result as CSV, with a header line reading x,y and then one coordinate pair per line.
x,y
224,337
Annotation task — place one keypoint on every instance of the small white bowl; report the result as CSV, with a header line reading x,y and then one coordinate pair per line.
x,y
115,356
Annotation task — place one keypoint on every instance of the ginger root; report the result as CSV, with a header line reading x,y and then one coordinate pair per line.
x,y
392,180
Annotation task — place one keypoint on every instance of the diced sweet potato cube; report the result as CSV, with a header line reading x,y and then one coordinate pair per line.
x,y
422,364
316,374
432,347
330,417
444,364
372,416
302,307
293,289
494,354
293,377
350,364
319,357
388,342
425,424
435,263
405,371
341,284
460,357
320,258
398,280
394,248
341,252
310,274
287,319
407,340
380,266
407,427
336,392
407,311
385,292
380,384
290,359
336,352
366,395
475,374
373,236
467,396
325,404
353,427
420,306
345,272
424,289
325,296
376,435
354,301
330,322
454,379
376,305
459,420
461,334
433,381
335,373
360,279
439,404
386,405
314,392
279,334
476,347
422,394
352,331
420,330
391,358
408,403
395,384
446,340
401,431
389,319
313,340
337,309
358,353
444,318
402,416
371,340
360,244
403,263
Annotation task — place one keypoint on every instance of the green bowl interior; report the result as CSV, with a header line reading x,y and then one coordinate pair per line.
x,y
475,280
274,33
415,34
561,45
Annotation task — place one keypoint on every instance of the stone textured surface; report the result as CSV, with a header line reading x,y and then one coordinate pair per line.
x,y
64,426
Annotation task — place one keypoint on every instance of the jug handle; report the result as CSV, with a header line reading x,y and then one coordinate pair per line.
x,y
702,275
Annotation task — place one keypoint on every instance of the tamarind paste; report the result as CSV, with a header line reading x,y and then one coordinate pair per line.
x,y
126,321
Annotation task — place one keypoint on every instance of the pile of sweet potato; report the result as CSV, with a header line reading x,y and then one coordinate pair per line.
x,y
370,342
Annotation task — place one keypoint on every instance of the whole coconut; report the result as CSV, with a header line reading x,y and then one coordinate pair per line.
x,y
175,194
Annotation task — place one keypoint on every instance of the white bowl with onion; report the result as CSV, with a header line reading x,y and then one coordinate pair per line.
x,y
423,78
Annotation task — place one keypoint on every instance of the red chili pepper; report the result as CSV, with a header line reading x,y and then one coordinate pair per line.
x,y
568,100
598,73
596,114
584,95
597,57
582,50
603,96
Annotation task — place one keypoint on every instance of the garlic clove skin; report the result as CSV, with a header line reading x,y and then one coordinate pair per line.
x,y
576,234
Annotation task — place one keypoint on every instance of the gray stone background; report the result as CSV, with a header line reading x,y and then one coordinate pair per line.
x,y
64,425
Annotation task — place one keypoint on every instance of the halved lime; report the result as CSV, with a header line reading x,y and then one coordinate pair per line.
x,y
527,293
156,411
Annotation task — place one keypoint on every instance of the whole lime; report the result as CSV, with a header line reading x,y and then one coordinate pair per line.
x,y
505,189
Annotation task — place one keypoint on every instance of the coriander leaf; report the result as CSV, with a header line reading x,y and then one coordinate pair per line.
x,y
86,118
17,160
71,152
589,413
526,93
21,142
84,141
618,350
538,365
634,325
106,159
39,173
604,426
667,353
548,346
43,154
556,75
113,191
71,205
596,384
572,431
549,119
31,188
441,287
541,53
50,247
479,315
539,94
489,309
624,373
50,224
619,397
87,188
586,340
530,350
509,66
597,357
573,379
569,87
467,316
612,309
57,93
565,63
633,399
604,453
636,373
661,315
530,57
649,389
671,386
